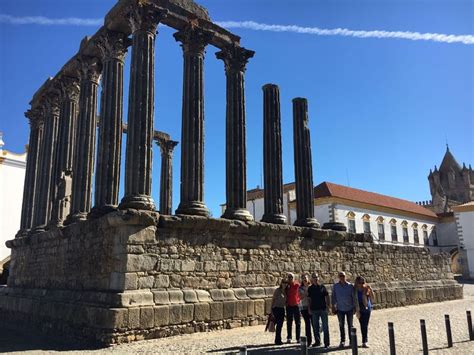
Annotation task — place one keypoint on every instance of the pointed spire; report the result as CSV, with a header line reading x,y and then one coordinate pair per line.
x,y
436,169
447,148
464,166
449,162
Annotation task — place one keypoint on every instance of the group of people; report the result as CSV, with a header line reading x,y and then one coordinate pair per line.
x,y
310,300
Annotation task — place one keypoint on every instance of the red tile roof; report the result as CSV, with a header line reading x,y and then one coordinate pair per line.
x,y
328,189
257,193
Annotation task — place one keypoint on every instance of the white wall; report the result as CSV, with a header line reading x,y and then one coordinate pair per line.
x,y
257,207
465,222
12,176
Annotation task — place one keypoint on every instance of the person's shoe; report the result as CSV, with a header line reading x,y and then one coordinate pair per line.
x,y
342,344
317,343
278,343
288,341
326,346
298,341
364,345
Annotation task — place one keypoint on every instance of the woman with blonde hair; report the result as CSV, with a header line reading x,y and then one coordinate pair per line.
x,y
278,309
364,296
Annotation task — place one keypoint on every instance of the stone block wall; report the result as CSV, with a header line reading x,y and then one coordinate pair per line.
x,y
132,275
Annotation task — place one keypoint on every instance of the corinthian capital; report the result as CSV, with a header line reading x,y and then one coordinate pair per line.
x,y
193,39
35,117
90,69
166,147
69,89
145,17
235,57
113,45
51,105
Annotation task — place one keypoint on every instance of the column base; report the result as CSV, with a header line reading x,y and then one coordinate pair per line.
x,y
54,224
274,218
238,213
76,217
100,211
307,222
335,226
137,202
38,229
194,208
22,233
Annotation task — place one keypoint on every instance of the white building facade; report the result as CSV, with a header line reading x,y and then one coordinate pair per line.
x,y
464,216
12,176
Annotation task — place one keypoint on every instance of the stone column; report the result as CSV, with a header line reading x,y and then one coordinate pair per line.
x,y
62,170
272,160
36,120
113,47
303,166
166,181
139,152
42,208
193,41
235,59
83,165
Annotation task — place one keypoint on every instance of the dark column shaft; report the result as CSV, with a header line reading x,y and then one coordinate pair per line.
x,y
83,165
235,59
110,125
64,148
166,179
43,197
303,165
32,170
139,151
272,159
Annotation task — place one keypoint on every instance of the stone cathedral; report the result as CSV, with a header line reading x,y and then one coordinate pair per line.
x,y
120,268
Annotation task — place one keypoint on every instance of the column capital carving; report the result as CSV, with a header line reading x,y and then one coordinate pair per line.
x,y
90,69
145,17
113,45
35,117
166,146
193,39
51,105
69,89
235,58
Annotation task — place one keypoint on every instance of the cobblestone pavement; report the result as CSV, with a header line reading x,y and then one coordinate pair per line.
x,y
406,324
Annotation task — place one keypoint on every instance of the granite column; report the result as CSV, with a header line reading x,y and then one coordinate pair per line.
x,y
193,41
235,59
166,180
42,208
272,158
303,165
36,120
83,165
113,47
139,151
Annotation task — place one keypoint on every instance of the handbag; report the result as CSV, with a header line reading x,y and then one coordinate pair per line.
x,y
270,327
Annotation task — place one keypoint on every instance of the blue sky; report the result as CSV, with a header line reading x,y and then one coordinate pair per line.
x,y
380,109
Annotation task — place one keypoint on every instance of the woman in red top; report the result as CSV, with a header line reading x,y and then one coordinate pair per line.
x,y
292,309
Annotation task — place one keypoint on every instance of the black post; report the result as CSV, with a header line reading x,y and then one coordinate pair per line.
x,y
353,338
424,338
391,337
448,330
304,346
469,325
243,350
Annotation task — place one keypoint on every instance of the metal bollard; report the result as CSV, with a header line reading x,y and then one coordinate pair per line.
x,y
469,325
449,335
243,350
304,345
391,337
424,338
354,341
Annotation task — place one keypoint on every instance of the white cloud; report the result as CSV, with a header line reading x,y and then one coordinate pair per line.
x,y
251,25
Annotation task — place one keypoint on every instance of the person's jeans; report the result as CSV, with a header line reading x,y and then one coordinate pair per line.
x,y
293,312
279,314
323,315
307,325
364,325
340,316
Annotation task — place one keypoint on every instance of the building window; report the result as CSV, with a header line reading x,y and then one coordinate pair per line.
x,y
415,235
351,222
426,240
435,237
381,231
393,230
405,232
366,219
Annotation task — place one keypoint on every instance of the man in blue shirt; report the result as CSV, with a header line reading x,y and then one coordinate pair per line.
x,y
344,304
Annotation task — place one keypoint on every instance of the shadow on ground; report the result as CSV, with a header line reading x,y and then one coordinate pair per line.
x,y
291,349
19,341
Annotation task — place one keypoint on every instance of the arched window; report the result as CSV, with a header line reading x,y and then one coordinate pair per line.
x,y
416,238
380,228
366,221
351,223
426,240
393,229
405,232
434,236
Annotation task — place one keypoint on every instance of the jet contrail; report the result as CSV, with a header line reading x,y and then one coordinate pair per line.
x,y
251,25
